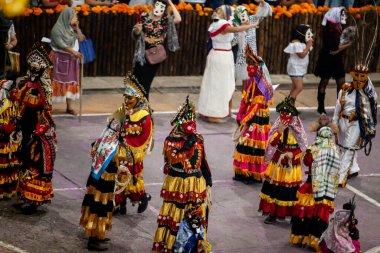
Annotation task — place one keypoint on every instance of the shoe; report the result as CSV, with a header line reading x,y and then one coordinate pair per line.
x,y
71,111
353,175
321,103
144,203
28,209
238,177
123,207
105,240
94,245
270,220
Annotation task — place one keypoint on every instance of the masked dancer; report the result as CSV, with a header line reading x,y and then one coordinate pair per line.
x,y
188,178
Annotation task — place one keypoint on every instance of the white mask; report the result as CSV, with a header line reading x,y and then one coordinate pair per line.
x,y
309,35
343,18
243,16
159,9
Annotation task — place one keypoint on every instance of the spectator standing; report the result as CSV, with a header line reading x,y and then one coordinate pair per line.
x,y
64,41
299,48
218,83
330,60
150,33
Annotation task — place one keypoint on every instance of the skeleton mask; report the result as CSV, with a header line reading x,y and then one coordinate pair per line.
x,y
159,9
343,18
308,35
243,16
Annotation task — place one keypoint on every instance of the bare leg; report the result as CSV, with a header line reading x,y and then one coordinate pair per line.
x,y
69,106
297,87
230,108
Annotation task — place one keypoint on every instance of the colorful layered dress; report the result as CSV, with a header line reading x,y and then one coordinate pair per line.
x,y
116,167
10,141
283,175
253,121
185,184
39,140
316,196
188,179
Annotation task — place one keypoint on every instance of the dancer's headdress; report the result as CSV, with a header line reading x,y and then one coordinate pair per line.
x,y
38,57
185,113
133,87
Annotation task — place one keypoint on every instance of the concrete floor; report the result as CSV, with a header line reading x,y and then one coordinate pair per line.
x,y
235,225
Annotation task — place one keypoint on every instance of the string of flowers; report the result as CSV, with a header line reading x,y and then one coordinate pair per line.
x,y
278,11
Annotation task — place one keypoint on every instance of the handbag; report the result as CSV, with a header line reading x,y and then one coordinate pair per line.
x,y
86,48
156,54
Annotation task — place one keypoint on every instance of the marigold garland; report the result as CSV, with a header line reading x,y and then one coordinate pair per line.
x,y
278,11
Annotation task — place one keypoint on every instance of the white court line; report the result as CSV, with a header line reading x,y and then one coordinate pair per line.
x,y
364,196
12,248
370,175
154,210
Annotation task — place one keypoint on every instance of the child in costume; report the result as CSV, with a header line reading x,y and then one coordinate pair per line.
x,y
39,142
316,196
188,178
10,140
342,236
283,176
191,234
301,43
253,121
117,164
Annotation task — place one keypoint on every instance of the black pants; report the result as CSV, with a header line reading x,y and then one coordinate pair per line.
x,y
145,75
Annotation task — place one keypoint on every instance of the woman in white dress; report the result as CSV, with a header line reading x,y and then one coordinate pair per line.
x,y
218,84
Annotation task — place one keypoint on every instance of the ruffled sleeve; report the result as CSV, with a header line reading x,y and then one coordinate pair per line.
x,y
295,47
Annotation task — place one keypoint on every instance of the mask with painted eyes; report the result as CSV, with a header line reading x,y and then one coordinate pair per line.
x,y
343,18
159,9
243,16
35,73
309,35
130,102
190,127
359,79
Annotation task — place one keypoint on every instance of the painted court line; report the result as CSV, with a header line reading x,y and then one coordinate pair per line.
x,y
11,247
361,194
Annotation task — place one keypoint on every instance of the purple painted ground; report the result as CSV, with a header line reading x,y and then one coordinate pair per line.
x,y
235,224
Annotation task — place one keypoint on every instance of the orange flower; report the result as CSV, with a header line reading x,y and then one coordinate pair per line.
x,y
27,12
106,9
77,8
357,16
208,9
59,8
49,11
201,13
86,13
85,8
97,9
37,11
198,7
189,7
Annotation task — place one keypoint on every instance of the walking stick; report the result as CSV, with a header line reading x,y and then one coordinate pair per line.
x,y
80,90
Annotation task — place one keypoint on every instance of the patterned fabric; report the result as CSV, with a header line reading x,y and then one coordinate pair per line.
x,y
326,164
336,237
154,28
297,130
104,148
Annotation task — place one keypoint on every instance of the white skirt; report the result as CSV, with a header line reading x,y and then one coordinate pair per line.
x,y
218,84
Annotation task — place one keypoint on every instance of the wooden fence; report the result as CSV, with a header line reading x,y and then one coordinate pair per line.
x,y
111,34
